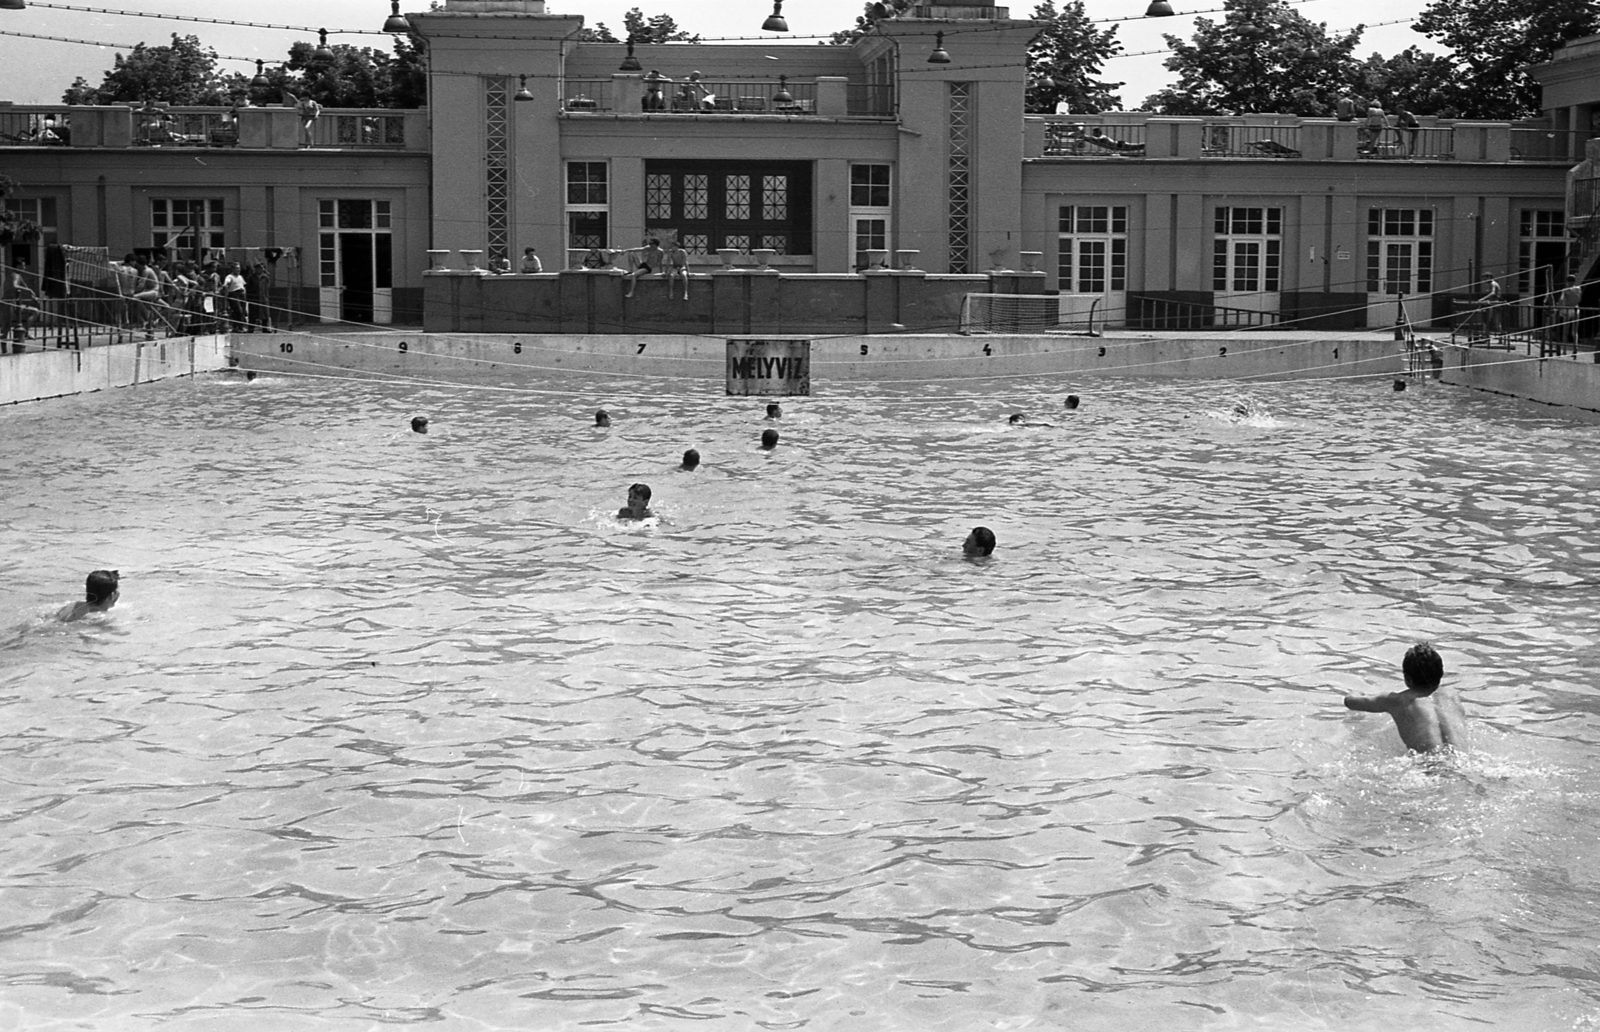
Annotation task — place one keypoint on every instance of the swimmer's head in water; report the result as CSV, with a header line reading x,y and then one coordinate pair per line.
x,y
602,418
641,492
979,542
774,410
1072,401
1422,667
419,424
101,586
691,459
769,439
1017,417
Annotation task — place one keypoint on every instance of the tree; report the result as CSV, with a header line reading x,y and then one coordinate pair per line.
x,y
656,28
1411,79
1263,56
1065,58
182,73
1494,41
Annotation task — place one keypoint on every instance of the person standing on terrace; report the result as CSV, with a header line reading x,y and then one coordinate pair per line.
x,y
1492,303
677,268
1569,306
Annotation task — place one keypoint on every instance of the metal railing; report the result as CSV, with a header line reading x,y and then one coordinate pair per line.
x,y
359,128
1432,143
1074,139
1155,313
1229,140
164,127
34,127
869,100
702,97
1585,198
1549,144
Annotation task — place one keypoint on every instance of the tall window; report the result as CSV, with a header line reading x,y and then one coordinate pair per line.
x,y
183,224
41,210
869,212
1247,250
364,225
710,205
1399,250
1093,248
588,205
1541,251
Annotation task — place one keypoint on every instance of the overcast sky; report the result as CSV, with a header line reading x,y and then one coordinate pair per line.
x,y
37,71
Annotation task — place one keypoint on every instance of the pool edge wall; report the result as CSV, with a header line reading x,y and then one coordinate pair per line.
x,y
35,375
1568,381
476,356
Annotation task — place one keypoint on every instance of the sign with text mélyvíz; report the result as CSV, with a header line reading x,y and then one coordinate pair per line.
x,y
769,366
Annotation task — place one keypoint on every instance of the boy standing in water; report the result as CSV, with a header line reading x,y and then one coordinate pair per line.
x,y
638,506
100,593
1428,717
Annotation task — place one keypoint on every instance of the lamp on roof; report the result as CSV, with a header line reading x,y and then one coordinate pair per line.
x,y
396,22
523,93
260,80
630,63
323,51
940,55
775,22
13,5
1159,9
783,96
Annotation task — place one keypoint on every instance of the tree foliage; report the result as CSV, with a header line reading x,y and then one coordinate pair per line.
x,y
1412,79
1064,61
1493,43
182,73
187,73
1262,56
642,29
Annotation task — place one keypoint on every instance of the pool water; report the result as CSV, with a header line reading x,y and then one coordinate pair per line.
x,y
399,729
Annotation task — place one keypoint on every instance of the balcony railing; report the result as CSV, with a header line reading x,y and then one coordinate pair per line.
x,y
1074,139
359,129
1433,143
702,97
1549,144
1230,140
1584,201
34,127
160,125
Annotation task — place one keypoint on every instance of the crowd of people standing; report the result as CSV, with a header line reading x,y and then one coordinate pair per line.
x,y
192,296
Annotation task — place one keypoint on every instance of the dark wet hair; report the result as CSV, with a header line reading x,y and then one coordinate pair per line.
x,y
769,438
773,409
602,418
640,489
1017,417
418,422
1072,401
691,459
983,537
1423,668
100,585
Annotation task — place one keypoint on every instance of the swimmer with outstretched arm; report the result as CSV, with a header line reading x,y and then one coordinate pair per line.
x,y
1428,716
100,593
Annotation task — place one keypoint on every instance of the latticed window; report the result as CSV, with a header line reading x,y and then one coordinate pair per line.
x,y
1247,250
710,205
1399,250
588,213
586,182
184,224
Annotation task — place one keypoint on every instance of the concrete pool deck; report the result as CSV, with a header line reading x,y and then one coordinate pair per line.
x,y
1567,381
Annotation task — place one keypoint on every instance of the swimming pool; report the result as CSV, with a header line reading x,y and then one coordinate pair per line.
x,y
401,729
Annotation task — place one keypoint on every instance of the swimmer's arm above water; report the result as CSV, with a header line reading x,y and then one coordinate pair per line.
x,y
1371,703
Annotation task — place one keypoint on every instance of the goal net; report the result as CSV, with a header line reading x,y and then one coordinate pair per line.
x,y
1026,313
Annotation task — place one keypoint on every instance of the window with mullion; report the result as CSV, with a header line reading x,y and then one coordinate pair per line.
x,y
710,205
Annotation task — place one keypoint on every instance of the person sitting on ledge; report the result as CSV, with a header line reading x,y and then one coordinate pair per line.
x,y
530,262
500,266
638,507
100,593
645,260
691,460
979,543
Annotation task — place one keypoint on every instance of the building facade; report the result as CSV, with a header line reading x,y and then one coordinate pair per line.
x,y
823,161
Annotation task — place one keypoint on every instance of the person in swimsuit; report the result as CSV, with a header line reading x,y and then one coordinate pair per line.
x,y
638,507
100,593
677,268
647,260
1429,718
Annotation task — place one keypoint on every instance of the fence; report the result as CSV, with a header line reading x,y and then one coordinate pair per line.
x,y
1074,139
359,129
703,96
1433,143
33,127
1227,140
1548,144
1156,313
